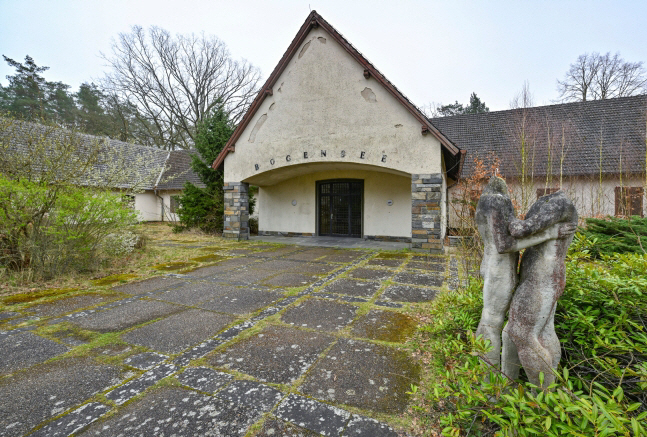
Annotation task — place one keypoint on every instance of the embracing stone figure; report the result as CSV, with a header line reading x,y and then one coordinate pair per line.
x,y
529,339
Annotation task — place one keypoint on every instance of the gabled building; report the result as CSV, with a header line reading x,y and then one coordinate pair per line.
x,y
594,151
336,149
151,177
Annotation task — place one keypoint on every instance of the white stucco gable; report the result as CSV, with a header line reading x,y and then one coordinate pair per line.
x,y
325,103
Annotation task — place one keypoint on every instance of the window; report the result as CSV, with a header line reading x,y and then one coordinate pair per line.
x,y
175,204
545,191
629,201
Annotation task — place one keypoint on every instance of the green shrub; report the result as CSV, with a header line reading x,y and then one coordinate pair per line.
x,y
253,225
51,229
617,235
601,389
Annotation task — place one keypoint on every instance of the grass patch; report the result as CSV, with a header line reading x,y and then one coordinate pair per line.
x,y
391,255
211,249
172,266
31,296
107,280
208,258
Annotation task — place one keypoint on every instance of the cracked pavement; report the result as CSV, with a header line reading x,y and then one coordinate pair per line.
x,y
282,341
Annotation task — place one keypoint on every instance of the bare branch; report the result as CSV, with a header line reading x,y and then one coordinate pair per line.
x,y
175,81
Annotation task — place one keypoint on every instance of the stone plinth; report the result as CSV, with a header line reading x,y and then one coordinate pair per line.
x,y
236,221
426,194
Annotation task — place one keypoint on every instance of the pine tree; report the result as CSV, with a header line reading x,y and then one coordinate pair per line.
x,y
203,207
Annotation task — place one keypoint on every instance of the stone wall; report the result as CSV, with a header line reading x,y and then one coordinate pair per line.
x,y
426,195
236,224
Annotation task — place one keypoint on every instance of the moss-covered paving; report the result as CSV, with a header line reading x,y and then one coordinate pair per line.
x,y
305,341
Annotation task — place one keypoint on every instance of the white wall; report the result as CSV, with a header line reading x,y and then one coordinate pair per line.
x,y
149,206
591,197
276,212
323,102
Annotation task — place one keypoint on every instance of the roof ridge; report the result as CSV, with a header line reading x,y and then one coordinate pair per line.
x,y
611,101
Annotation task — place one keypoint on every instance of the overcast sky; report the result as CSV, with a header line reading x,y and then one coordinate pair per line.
x,y
433,51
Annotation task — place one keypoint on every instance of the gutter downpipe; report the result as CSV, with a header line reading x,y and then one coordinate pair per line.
x,y
158,181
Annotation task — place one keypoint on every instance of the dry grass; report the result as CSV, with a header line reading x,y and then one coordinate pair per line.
x,y
135,266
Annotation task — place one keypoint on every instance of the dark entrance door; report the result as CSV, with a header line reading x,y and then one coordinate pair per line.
x,y
340,207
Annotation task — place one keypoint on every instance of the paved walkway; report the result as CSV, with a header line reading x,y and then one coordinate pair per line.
x,y
289,341
339,242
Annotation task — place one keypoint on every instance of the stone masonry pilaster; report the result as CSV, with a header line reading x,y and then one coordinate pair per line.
x,y
236,224
426,193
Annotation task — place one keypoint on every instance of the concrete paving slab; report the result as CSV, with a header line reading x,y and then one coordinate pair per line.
x,y
290,280
178,412
273,427
9,314
281,251
379,262
193,293
339,297
364,375
26,349
126,315
384,326
366,427
134,387
28,398
179,331
342,257
375,274
438,266
353,287
277,354
112,350
333,242
407,293
278,265
253,394
242,301
246,276
204,379
148,285
317,268
69,304
315,416
309,254
73,422
220,268
416,278
387,304
145,361
324,315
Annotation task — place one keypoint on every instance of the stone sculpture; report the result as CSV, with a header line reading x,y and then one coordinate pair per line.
x,y
529,338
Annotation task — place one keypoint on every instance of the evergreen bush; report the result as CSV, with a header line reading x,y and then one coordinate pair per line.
x,y
204,207
617,235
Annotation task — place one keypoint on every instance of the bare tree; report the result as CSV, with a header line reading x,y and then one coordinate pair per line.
x,y
175,81
595,77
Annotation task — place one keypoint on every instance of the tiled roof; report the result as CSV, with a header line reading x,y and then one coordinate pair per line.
x,y
178,171
595,134
139,166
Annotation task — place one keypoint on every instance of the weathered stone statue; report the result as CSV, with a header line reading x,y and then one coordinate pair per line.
x,y
531,321
495,219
